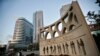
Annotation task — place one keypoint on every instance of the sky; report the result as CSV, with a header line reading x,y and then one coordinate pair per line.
x,y
11,10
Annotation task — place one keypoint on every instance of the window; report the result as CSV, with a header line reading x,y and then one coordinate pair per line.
x,y
56,34
65,30
67,50
71,27
44,50
63,48
82,47
51,49
60,26
47,49
75,18
70,17
71,8
53,27
73,47
48,36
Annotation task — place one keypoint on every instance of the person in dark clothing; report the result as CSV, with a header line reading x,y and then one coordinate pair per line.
x,y
20,53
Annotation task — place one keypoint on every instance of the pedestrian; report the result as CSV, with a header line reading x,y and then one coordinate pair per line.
x,y
19,54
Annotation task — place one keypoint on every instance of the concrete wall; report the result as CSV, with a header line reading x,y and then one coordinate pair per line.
x,y
70,35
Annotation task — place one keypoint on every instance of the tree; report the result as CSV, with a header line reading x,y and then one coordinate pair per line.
x,y
30,47
98,2
93,15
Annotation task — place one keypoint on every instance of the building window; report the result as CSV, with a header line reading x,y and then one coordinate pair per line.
x,y
56,34
44,50
59,48
48,36
82,47
75,18
67,50
71,27
70,17
47,50
54,49
64,48
71,8
51,49
73,47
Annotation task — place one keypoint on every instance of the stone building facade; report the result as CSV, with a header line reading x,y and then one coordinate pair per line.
x,y
69,36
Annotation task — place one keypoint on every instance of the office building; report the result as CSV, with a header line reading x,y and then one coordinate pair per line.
x,y
37,23
23,33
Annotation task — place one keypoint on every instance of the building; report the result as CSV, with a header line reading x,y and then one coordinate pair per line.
x,y
37,23
69,36
23,34
64,9
94,27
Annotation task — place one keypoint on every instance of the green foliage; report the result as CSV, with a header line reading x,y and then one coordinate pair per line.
x,y
95,16
98,2
30,47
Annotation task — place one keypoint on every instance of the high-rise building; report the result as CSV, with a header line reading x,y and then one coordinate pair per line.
x,y
23,33
37,23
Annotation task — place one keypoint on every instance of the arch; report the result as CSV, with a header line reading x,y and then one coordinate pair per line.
x,y
48,36
65,19
46,28
78,46
47,49
44,50
75,18
51,48
64,30
59,26
81,42
71,8
59,48
73,47
63,47
43,34
53,27
71,27
67,50
56,34
54,49
70,17
82,47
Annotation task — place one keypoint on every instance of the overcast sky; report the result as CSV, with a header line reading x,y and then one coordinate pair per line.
x,y
11,10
